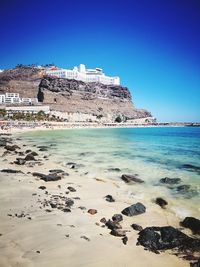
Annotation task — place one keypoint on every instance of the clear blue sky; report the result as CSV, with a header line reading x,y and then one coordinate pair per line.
x,y
154,46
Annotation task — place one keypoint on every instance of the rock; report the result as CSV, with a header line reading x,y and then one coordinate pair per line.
x,y
114,170
92,211
69,202
134,209
183,188
11,171
33,153
161,202
131,178
30,157
113,225
170,181
21,153
42,187
56,171
20,161
71,189
103,220
125,240
47,178
167,237
191,167
192,223
85,237
53,205
136,227
28,151
3,143
66,210
118,232
11,147
117,218
109,198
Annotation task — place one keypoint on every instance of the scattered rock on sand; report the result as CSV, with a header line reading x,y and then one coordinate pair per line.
x,y
42,187
11,147
118,232
20,161
192,223
136,227
113,225
56,171
92,211
29,157
71,189
103,220
161,202
117,218
125,240
109,198
131,178
170,181
114,170
134,209
11,171
85,237
47,178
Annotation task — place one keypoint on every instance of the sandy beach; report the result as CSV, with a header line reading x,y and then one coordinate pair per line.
x,y
34,233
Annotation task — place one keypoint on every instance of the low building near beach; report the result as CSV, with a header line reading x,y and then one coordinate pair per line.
x,y
27,109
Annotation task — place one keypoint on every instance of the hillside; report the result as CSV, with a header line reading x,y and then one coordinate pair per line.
x,y
71,96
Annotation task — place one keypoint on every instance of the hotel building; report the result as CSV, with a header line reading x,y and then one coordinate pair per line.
x,y
82,74
13,98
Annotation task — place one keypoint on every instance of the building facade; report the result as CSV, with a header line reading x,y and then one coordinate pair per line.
x,y
13,98
82,74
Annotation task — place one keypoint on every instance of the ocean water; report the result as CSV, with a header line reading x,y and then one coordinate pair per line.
x,y
151,153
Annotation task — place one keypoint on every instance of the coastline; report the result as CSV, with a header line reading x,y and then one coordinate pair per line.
x,y
42,238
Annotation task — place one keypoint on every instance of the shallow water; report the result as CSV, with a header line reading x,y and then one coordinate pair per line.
x,y
152,153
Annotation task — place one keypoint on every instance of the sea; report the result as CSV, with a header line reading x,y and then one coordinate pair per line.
x,y
150,153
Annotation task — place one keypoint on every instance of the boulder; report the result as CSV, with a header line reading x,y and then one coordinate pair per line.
x,y
131,178
167,237
170,181
134,209
192,223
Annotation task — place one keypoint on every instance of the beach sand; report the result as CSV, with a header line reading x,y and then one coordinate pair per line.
x,y
58,239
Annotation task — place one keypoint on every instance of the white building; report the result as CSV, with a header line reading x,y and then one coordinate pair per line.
x,y
13,98
82,74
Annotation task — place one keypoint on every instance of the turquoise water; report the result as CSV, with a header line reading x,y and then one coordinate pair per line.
x,y
152,153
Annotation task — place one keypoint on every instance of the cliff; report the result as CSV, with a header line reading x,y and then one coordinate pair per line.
x,y
92,98
71,96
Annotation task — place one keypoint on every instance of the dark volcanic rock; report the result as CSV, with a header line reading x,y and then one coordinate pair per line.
x,y
161,202
167,237
170,181
114,170
42,187
118,232
11,147
113,225
47,178
131,178
191,167
69,202
20,161
11,171
191,223
134,209
109,198
30,157
56,171
136,227
3,142
71,189
117,218
195,264
125,240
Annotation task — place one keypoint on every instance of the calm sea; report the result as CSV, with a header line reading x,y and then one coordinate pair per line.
x,y
152,153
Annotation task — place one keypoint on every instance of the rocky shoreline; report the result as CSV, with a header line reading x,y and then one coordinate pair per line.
x,y
44,204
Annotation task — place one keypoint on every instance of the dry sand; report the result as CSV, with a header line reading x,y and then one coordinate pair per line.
x,y
53,239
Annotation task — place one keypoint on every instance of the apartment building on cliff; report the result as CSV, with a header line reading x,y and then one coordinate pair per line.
x,y
82,74
13,98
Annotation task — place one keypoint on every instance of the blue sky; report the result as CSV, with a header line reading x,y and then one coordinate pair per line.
x,y
154,46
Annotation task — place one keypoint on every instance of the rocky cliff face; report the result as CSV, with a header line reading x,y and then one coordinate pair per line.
x,y
71,96
92,98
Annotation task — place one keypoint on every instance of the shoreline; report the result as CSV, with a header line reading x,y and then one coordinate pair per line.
x,y
17,127
35,234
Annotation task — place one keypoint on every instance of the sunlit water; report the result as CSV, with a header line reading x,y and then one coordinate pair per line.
x,y
152,153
